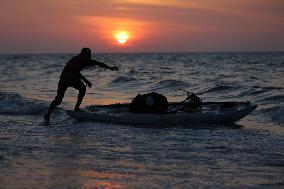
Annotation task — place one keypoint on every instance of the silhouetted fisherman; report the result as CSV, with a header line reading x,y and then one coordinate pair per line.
x,y
71,77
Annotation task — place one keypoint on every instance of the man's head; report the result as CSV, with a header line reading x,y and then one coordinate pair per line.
x,y
86,52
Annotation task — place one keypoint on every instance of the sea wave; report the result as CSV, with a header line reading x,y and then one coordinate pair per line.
x,y
218,88
13,103
122,79
256,90
279,115
270,98
169,84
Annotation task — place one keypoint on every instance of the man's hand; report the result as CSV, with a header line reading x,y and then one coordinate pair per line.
x,y
113,68
89,84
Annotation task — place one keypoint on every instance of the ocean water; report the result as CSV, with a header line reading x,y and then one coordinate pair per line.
x,y
72,154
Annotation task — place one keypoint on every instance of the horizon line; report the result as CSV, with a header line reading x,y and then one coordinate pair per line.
x,y
145,52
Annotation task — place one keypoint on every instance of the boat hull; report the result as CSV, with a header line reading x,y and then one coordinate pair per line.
x,y
123,117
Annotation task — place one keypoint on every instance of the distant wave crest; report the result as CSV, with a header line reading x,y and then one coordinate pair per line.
x,y
13,103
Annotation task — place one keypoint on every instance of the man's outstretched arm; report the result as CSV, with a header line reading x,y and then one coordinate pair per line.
x,y
103,65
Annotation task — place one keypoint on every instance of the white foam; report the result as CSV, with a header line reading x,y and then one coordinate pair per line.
x,y
13,103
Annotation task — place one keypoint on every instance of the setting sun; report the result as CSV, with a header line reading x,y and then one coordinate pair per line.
x,y
121,37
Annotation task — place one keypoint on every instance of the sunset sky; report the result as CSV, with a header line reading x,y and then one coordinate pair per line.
x,y
62,26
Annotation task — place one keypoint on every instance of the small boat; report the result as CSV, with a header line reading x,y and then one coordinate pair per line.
x,y
209,113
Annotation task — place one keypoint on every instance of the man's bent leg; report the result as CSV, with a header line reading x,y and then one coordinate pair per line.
x,y
80,98
82,90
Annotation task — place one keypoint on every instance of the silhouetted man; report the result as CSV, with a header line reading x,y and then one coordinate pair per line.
x,y
71,77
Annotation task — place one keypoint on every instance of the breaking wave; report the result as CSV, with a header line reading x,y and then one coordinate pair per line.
x,y
13,103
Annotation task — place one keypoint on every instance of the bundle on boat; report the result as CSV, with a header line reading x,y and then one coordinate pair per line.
x,y
155,103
